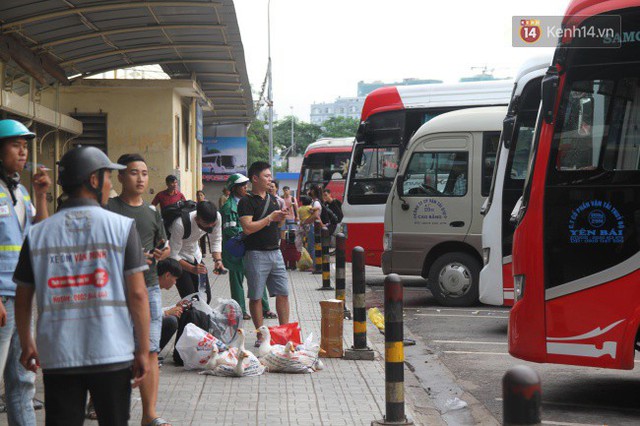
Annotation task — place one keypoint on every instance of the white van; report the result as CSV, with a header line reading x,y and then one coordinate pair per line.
x,y
432,223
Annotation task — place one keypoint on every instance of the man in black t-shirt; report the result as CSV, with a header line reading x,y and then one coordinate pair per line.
x,y
260,215
334,205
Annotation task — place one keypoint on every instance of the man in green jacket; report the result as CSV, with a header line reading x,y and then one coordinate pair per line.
x,y
237,185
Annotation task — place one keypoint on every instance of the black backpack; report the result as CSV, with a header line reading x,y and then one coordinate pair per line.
x,y
180,209
328,216
194,316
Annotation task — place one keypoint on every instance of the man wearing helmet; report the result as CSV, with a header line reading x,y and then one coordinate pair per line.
x,y
85,266
237,186
16,217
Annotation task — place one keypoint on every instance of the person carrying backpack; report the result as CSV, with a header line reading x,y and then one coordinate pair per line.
x,y
186,231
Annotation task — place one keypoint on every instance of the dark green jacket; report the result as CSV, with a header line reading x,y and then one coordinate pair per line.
x,y
230,228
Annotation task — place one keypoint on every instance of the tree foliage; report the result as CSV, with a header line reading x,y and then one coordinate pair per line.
x,y
340,127
304,134
257,142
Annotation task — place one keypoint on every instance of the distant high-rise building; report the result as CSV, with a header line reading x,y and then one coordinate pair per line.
x,y
365,88
341,107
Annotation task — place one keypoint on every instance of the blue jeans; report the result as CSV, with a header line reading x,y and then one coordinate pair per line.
x,y
19,383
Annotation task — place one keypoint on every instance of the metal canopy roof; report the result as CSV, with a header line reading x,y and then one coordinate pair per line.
x,y
189,39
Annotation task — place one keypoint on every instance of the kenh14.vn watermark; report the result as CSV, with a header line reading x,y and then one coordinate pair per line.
x,y
602,31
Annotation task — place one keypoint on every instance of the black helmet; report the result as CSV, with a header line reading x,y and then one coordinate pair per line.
x,y
75,166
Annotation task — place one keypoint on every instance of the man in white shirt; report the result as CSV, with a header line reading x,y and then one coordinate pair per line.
x,y
204,220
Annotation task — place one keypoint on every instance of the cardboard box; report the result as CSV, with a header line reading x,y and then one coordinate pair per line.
x,y
332,325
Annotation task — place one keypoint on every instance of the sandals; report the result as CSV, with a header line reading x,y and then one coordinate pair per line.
x,y
270,315
246,316
158,421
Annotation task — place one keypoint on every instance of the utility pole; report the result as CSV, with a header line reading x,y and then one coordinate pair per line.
x,y
270,81
293,144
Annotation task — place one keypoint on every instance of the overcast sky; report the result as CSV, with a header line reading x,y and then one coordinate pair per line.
x,y
321,48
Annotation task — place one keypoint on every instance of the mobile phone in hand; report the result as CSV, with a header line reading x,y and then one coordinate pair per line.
x,y
161,245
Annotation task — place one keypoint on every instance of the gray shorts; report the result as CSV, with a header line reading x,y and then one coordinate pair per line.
x,y
265,268
155,306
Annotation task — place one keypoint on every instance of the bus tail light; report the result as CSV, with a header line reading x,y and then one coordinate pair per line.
x,y
518,287
486,252
386,241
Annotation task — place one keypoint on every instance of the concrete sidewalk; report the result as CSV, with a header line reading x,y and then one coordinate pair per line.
x,y
344,393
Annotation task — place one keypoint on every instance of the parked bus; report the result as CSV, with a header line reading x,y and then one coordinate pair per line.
x,y
432,218
326,163
576,250
390,116
496,279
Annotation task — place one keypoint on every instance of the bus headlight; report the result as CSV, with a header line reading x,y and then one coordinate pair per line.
x,y
518,287
486,252
386,241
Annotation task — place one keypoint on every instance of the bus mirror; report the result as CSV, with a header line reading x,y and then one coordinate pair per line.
x,y
400,185
549,92
507,130
363,134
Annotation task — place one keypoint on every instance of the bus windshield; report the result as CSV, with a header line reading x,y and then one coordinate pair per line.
x,y
322,167
595,158
378,151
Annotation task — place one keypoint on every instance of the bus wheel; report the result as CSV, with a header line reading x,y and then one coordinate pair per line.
x,y
453,279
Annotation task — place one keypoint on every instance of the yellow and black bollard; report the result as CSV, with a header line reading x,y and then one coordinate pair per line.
x,y
359,350
521,396
326,260
341,272
393,353
317,247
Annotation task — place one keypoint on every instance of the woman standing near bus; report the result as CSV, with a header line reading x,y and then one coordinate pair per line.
x,y
315,192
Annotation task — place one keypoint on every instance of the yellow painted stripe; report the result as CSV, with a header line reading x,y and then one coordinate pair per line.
x,y
326,275
359,327
394,352
394,391
10,248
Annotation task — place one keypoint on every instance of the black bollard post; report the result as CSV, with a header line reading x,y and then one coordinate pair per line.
x,y
359,350
326,259
317,247
341,272
521,397
393,353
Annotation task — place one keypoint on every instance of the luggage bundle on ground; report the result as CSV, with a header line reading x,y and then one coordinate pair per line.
x,y
222,322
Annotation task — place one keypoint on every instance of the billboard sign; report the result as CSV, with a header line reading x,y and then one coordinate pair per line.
x,y
223,156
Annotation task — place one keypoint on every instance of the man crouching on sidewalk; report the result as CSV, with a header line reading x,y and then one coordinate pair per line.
x,y
260,217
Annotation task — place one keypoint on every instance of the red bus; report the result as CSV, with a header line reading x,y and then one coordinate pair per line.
x,y
325,163
390,116
576,250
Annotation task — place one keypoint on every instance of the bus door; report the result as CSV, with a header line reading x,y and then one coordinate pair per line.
x,y
438,200
592,221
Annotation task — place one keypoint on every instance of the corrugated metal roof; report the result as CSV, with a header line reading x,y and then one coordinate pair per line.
x,y
189,39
